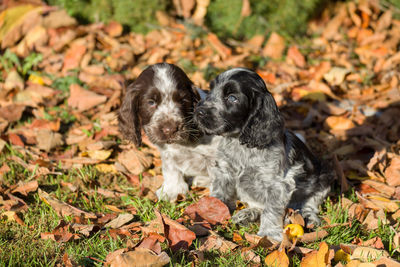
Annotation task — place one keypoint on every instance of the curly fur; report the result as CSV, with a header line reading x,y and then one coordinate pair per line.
x,y
161,102
259,161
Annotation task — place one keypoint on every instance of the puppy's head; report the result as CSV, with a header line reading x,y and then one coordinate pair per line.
x,y
161,101
239,105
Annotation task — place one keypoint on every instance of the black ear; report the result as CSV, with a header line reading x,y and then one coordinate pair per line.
x,y
128,116
264,125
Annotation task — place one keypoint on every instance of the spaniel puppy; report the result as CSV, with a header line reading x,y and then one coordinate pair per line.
x,y
259,161
161,102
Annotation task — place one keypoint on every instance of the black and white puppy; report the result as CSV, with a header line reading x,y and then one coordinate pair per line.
x,y
161,102
259,161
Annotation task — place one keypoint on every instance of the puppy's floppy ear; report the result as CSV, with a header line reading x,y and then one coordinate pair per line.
x,y
264,124
128,116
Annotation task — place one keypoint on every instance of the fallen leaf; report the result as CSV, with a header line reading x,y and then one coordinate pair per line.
x,y
151,242
134,161
12,112
25,188
14,81
317,258
313,236
277,258
274,47
73,57
122,219
106,168
178,236
140,257
339,123
82,99
63,209
100,154
58,18
336,76
392,172
114,29
209,209
368,254
47,139
295,55
214,242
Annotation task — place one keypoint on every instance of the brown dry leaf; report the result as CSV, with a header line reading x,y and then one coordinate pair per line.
x,y
332,27
121,220
384,21
100,154
47,139
12,112
151,242
392,173
14,81
218,243
61,233
114,29
140,257
25,188
277,258
384,203
58,18
313,236
73,56
135,161
274,47
381,187
84,99
62,208
339,123
296,57
208,209
15,139
221,49
178,236
367,254
317,258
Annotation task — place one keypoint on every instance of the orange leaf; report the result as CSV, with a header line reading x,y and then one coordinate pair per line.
x,y
277,259
317,258
339,123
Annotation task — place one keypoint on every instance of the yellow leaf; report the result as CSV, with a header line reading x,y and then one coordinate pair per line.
x,y
277,259
36,79
99,154
340,255
106,168
294,231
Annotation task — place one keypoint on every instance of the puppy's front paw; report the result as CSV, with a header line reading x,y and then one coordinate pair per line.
x,y
201,181
273,233
171,192
312,219
246,216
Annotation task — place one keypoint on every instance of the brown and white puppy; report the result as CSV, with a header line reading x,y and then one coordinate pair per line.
x,y
162,101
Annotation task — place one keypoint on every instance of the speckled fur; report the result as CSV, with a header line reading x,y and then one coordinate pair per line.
x,y
258,161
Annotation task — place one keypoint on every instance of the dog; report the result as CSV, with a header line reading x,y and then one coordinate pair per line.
x,y
258,161
161,102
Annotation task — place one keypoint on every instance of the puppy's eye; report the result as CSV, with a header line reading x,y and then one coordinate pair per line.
x,y
232,98
151,103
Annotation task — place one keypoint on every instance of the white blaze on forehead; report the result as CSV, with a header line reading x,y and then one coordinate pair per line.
x,y
164,81
166,85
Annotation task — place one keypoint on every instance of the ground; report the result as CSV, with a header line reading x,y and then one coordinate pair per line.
x,y
73,192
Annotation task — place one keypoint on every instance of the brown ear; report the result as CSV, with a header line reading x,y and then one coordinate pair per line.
x,y
128,116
